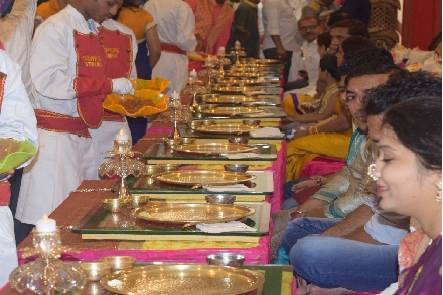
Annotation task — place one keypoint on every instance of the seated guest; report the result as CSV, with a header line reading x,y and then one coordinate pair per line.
x,y
408,174
305,59
323,43
245,28
379,238
344,29
325,129
148,54
70,87
175,26
50,7
17,121
213,20
343,193
351,46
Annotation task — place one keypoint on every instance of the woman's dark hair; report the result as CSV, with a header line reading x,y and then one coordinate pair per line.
x,y
324,39
328,63
417,124
353,44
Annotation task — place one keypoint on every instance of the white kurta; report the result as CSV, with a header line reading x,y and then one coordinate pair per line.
x,y
306,58
175,25
279,19
17,120
64,160
16,30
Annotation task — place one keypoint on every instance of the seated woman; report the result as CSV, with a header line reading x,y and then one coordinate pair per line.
x,y
148,54
325,130
408,173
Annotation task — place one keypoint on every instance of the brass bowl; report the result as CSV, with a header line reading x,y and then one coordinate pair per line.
x,y
172,142
114,205
138,200
238,140
236,167
251,122
119,262
96,270
220,199
226,259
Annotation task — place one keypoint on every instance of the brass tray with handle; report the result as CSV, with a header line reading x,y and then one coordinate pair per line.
x,y
182,279
212,148
191,214
203,177
222,127
230,111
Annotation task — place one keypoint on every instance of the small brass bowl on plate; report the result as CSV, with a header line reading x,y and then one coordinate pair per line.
x,y
138,200
220,199
252,122
238,140
119,262
114,205
236,168
96,270
226,259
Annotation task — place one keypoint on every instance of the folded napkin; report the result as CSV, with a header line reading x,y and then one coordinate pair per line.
x,y
266,132
240,156
228,188
232,226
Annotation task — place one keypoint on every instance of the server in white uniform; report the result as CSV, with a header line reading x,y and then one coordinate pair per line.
x,y
17,121
175,26
78,56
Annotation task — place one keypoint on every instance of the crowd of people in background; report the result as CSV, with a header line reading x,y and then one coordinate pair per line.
x,y
362,208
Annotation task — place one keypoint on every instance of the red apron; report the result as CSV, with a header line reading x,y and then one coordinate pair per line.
x,y
100,58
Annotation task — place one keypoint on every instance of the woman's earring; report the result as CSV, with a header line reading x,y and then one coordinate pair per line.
x,y
438,195
372,172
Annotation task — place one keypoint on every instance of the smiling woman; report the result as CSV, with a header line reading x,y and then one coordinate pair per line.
x,y
409,172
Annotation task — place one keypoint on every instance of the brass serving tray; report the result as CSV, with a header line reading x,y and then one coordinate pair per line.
x,y
222,99
190,214
213,148
231,111
203,177
221,127
182,279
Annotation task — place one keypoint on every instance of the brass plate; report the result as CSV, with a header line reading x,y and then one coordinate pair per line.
x,y
231,111
237,99
188,213
203,177
225,127
181,279
213,148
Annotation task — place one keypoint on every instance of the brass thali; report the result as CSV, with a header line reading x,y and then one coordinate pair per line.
x,y
190,214
213,148
203,177
231,111
221,127
182,279
223,99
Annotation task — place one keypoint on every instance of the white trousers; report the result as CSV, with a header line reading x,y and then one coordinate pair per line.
x,y
174,67
8,252
62,163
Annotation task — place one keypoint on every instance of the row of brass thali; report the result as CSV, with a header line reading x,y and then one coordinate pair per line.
x,y
242,99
